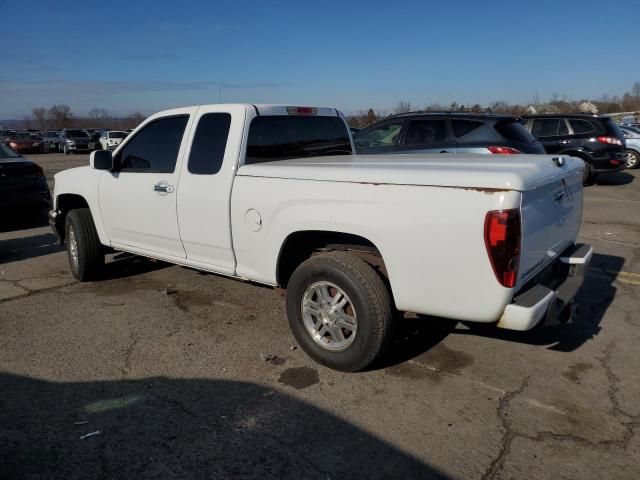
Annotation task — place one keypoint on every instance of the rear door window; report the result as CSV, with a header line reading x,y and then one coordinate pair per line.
x,y
463,127
546,127
209,144
426,132
581,126
273,137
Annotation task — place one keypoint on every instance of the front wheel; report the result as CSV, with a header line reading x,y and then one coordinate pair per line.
x,y
339,310
85,252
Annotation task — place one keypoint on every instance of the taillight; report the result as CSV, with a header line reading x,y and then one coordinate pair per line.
x,y
13,144
503,150
610,140
502,239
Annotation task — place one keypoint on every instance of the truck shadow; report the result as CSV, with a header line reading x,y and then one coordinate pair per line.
x,y
618,178
594,298
22,219
174,428
124,264
415,336
16,249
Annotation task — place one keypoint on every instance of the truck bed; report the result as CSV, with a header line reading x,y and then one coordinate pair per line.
x,y
490,172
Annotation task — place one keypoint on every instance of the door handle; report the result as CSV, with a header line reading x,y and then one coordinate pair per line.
x,y
163,187
564,142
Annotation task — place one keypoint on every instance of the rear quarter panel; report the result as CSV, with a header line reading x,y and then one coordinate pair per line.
x,y
431,238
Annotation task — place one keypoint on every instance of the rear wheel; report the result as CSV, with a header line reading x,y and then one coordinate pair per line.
x,y
633,158
85,252
588,176
339,310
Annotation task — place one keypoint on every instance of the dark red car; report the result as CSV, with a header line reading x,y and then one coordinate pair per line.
x,y
25,142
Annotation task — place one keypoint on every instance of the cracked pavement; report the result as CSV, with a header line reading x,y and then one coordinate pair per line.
x,y
188,375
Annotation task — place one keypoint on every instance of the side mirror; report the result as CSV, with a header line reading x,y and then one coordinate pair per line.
x,y
101,160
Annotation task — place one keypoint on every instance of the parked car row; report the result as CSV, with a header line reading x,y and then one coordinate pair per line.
x,y
67,140
597,140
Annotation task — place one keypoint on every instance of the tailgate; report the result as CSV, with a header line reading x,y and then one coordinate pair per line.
x,y
551,217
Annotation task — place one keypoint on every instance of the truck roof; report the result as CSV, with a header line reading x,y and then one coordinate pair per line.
x,y
264,109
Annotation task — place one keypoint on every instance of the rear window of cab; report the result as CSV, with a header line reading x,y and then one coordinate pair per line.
x,y
280,137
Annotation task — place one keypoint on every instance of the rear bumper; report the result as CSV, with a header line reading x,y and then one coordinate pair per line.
x,y
605,166
547,302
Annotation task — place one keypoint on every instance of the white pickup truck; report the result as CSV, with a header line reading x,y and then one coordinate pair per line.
x,y
275,195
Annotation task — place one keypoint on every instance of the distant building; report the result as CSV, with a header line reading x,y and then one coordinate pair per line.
x,y
588,107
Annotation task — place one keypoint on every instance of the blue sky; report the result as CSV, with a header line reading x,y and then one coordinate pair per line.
x,y
150,55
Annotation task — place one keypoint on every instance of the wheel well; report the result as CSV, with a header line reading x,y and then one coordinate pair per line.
x,y
64,204
299,246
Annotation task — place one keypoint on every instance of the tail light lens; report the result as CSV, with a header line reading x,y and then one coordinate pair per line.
x,y
610,140
502,238
503,150
302,110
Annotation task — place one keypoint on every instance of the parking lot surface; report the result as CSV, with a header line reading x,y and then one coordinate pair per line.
x,y
190,375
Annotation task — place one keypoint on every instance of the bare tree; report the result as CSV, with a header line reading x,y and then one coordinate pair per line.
x,y
135,119
371,117
61,116
535,101
98,113
26,122
403,107
40,116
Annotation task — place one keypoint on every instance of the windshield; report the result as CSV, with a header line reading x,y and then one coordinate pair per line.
x,y
117,134
282,137
77,133
22,135
6,152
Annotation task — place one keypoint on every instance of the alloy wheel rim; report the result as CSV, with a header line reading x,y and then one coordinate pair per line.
x,y
631,159
73,246
329,316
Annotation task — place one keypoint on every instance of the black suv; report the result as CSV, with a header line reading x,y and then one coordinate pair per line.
x,y
595,139
447,133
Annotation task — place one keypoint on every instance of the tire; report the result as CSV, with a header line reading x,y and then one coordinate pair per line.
x,y
633,159
368,304
588,177
84,250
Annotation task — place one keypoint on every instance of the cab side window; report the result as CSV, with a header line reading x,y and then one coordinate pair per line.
x,y
209,144
155,148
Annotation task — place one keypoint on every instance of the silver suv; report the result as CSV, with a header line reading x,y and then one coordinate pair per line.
x,y
75,140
